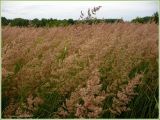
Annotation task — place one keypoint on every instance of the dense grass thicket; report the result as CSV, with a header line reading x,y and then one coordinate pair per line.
x,y
80,71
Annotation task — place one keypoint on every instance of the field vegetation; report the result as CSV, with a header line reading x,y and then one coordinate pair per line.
x,y
101,70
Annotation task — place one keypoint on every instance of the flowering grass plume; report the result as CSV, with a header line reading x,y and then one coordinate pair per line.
x,y
81,71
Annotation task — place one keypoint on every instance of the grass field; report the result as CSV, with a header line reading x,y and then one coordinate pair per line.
x,y
80,71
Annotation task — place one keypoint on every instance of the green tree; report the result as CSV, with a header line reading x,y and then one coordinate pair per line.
x,y
71,21
4,21
19,22
35,23
156,17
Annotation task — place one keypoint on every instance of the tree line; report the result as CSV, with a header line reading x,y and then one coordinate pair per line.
x,y
51,22
153,18
54,22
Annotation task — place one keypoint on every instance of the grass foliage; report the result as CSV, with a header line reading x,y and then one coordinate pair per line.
x,y
80,71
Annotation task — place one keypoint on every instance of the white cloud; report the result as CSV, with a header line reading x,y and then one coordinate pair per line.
x,y
71,9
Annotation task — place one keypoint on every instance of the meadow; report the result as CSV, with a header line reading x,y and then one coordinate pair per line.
x,y
101,70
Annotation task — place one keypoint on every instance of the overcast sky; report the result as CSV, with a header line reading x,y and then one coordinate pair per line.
x,y
71,9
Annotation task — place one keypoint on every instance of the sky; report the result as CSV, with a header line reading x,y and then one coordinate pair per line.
x,y
127,10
